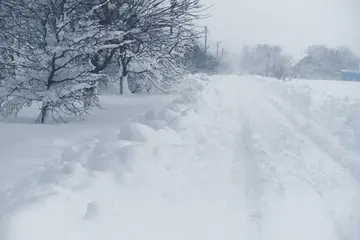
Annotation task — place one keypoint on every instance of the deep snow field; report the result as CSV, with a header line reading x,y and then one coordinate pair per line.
x,y
231,157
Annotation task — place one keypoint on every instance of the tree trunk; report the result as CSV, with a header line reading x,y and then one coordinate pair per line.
x,y
124,84
44,114
88,101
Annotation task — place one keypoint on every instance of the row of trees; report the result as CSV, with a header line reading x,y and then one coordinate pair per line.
x,y
56,52
318,62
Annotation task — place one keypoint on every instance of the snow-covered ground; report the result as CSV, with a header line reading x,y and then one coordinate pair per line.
x,y
235,158
27,148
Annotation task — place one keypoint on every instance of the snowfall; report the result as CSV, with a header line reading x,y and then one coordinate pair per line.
x,y
227,157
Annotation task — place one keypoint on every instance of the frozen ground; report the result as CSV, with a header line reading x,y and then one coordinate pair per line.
x,y
235,158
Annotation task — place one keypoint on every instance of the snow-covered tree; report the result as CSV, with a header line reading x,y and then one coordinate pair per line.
x,y
156,34
5,40
55,52
50,42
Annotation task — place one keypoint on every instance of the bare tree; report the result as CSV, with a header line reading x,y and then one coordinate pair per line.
x,y
265,60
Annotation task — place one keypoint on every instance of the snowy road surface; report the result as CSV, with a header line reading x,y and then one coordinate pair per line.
x,y
243,158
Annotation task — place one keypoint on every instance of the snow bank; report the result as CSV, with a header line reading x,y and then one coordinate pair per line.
x,y
190,84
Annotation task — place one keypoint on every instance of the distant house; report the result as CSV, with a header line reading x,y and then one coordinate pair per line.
x,y
350,75
309,67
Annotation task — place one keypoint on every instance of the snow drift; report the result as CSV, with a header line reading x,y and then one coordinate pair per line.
x,y
234,158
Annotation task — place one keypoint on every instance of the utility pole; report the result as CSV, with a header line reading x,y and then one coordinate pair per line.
x,y
206,39
218,50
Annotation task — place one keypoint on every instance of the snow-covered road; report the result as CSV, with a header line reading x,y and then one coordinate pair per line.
x,y
242,158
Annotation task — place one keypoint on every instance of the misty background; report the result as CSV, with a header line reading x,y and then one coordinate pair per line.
x,y
293,24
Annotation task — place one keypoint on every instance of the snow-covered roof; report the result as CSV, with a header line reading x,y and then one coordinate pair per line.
x,y
298,59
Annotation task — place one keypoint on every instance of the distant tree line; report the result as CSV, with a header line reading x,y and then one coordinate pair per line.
x,y
318,62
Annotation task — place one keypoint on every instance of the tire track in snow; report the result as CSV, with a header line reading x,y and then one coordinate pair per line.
x,y
289,153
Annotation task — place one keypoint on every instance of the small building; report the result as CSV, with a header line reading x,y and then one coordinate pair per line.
x,y
308,67
347,75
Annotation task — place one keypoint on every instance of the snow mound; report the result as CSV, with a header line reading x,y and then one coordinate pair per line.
x,y
136,132
192,83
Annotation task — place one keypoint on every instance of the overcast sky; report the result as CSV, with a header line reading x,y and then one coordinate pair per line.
x,y
293,24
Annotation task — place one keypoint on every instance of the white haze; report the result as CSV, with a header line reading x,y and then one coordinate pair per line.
x,y
294,24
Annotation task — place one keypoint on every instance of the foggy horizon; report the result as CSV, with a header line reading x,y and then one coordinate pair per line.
x,y
290,23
